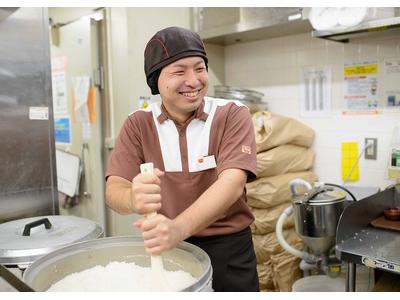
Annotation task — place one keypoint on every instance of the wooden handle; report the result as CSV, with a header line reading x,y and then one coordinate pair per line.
x,y
148,168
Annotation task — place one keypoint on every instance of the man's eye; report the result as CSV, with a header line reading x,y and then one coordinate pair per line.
x,y
201,69
179,73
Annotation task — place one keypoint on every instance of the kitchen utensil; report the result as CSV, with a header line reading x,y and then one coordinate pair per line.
x,y
157,267
53,267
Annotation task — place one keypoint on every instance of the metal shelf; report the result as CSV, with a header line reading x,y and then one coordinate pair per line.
x,y
387,26
357,242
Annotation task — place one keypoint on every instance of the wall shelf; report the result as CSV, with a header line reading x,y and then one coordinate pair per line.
x,y
380,27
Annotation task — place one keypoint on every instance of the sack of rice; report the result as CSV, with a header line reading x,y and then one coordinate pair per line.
x,y
271,191
284,159
264,271
273,130
266,245
286,269
265,219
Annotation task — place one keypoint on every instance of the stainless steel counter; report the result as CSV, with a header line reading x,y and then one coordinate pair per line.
x,y
357,242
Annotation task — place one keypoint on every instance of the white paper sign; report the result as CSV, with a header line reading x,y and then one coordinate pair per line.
x,y
81,86
60,100
38,113
392,82
68,173
361,87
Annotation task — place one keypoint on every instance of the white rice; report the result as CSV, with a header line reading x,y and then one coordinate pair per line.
x,y
120,277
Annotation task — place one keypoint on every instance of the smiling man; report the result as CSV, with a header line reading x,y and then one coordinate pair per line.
x,y
204,152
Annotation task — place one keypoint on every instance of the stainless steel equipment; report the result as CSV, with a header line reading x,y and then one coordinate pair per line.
x,y
230,25
27,155
252,99
25,240
54,266
316,215
357,242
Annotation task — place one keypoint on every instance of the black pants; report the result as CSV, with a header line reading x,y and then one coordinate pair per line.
x,y
233,261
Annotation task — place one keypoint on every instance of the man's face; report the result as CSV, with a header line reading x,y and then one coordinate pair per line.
x,y
183,85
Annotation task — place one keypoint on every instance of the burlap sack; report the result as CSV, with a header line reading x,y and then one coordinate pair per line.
x,y
271,191
266,245
286,270
265,280
273,130
265,219
284,159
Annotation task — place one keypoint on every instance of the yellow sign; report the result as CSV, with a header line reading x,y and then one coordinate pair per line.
x,y
350,168
361,70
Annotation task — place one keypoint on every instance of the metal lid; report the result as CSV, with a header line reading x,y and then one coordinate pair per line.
x,y
230,92
327,197
42,238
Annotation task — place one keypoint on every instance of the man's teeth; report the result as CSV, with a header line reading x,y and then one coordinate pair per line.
x,y
190,94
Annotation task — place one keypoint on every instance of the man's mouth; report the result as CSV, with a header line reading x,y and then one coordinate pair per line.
x,y
191,94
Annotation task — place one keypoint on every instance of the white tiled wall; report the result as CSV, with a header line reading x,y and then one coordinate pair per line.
x,y
272,66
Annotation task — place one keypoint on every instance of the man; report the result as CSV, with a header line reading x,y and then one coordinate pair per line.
x,y
203,150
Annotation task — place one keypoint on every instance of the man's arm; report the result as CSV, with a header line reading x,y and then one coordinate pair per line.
x,y
161,233
118,194
213,203
141,196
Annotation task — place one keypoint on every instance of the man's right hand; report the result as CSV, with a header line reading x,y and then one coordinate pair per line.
x,y
146,192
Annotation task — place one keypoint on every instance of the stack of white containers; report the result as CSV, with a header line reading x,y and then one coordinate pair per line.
x,y
283,153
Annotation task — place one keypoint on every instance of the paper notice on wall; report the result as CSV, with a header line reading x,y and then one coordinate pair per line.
x,y
361,88
315,91
391,82
144,102
80,87
59,63
62,130
59,87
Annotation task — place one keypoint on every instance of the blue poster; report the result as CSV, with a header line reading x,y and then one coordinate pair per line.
x,y
62,130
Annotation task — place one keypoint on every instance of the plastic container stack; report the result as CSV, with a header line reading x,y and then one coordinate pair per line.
x,y
283,153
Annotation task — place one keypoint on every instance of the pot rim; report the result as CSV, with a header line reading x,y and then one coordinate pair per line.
x,y
64,252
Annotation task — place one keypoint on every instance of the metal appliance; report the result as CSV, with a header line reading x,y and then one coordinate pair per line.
x,y
360,243
54,266
317,211
27,155
252,99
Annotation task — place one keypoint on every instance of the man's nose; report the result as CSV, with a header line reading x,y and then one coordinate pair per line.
x,y
191,78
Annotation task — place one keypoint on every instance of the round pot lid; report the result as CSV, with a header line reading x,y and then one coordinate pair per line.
x,y
23,241
328,197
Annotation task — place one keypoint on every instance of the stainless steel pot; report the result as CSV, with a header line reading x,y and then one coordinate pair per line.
x,y
25,240
252,99
54,266
316,214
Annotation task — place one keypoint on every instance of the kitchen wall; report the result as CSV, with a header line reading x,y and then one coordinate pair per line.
x,y
273,66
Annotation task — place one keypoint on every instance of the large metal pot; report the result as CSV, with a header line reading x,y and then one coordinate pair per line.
x,y
25,240
252,99
54,266
316,214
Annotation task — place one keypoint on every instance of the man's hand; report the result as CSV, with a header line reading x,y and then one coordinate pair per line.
x,y
159,234
146,193
142,195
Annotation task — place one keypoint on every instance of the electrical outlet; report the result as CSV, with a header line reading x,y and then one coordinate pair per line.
x,y
371,151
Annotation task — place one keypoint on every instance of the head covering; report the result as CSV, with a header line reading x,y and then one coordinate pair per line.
x,y
165,47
